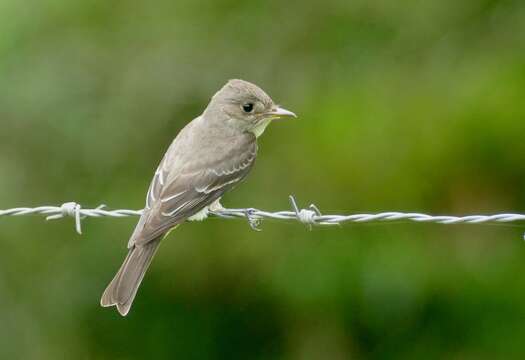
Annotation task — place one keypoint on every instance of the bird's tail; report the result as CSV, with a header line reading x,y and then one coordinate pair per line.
x,y
122,289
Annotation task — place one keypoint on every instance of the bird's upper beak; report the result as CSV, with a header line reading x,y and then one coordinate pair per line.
x,y
281,112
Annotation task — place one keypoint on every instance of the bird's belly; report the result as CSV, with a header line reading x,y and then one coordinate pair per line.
x,y
204,212
201,215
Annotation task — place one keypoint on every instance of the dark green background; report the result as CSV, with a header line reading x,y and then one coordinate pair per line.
x,y
403,105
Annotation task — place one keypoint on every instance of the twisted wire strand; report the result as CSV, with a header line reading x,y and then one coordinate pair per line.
x,y
310,216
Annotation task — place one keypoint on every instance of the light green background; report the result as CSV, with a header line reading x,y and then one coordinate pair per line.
x,y
403,105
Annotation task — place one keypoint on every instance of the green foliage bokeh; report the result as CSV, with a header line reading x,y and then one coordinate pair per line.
x,y
409,106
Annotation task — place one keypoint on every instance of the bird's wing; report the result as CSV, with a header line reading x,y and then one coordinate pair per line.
x,y
172,198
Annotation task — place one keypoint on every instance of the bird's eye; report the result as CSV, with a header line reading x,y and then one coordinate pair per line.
x,y
248,107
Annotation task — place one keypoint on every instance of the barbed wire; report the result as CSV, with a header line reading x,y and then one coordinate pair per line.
x,y
310,216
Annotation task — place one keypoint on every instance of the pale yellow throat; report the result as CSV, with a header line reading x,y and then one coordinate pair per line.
x,y
259,129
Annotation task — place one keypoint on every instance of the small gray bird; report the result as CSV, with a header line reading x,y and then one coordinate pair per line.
x,y
209,156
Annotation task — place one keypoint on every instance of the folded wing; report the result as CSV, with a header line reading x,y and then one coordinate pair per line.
x,y
178,193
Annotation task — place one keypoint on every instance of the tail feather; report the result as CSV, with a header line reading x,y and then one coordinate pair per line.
x,y
122,289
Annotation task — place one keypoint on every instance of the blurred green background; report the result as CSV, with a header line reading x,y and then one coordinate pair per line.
x,y
409,106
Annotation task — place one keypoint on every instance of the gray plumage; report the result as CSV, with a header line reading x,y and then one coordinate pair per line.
x,y
209,156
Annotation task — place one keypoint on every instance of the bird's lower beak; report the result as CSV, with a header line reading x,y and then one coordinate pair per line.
x,y
280,112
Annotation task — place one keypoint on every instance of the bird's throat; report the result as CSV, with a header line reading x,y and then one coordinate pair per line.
x,y
261,126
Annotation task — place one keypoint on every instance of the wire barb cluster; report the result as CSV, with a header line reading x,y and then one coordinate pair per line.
x,y
310,216
69,209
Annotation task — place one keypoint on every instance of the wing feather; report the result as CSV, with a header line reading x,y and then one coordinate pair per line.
x,y
176,194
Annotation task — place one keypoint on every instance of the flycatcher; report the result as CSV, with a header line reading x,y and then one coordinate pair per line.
x,y
208,157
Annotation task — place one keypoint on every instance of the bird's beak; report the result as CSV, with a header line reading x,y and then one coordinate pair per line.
x,y
280,112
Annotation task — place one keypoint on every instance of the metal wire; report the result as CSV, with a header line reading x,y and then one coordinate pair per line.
x,y
310,216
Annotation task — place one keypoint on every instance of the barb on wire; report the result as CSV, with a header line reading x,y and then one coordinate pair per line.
x,y
310,216
306,216
71,209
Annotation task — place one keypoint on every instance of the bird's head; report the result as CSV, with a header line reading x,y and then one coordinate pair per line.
x,y
246,107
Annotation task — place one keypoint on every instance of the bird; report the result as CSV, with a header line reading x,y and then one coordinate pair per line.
x,y
210,156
